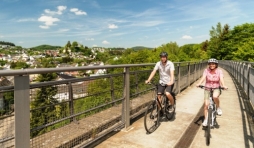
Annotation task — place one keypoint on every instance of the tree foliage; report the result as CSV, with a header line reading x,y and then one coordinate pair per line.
x,y
235,44
44,99
6,43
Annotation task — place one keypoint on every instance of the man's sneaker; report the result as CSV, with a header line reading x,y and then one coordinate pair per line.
x,y
204,123
219,111
161,113
170,108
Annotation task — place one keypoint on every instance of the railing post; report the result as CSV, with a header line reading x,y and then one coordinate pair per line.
x,y
179,78
248,81
188,74
195,72
242,74
22,111
136,82
71,101
126,110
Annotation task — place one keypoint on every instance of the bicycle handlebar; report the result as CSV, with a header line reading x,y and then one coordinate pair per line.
x,y
156,84
203,87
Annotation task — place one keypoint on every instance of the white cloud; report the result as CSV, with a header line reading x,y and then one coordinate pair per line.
x,y
26,20
1,36
90,39
105,42
112,26
59,11
44,27
94,45
48,21
186,37
63,30
77,11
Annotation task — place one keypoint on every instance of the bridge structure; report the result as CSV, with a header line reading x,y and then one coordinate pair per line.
x,y
107,110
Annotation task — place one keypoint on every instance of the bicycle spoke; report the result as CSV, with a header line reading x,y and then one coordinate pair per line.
x,y
208,130
151,117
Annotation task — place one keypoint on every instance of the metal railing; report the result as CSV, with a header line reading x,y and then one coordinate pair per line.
x,y
244,73
62,113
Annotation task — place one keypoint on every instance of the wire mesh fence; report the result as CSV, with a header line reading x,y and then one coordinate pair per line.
x,y
77,111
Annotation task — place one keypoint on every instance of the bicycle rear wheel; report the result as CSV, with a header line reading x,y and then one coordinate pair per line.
x,y
151,119
170,110
208,130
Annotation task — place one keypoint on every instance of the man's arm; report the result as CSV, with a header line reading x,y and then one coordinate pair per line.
x,y
172,77
151,76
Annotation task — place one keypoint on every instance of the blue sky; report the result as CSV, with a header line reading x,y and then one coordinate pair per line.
x,y
117,23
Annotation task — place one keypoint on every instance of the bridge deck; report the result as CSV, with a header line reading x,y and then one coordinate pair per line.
x,y
185,130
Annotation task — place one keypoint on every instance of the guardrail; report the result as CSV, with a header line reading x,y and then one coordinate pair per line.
x,y
45,110
244,73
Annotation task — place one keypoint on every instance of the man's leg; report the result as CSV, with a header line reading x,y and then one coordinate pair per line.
x,y
168,94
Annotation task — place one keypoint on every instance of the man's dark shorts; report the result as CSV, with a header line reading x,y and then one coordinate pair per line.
x,y
161,89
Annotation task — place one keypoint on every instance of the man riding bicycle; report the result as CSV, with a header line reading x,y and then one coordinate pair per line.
x,y
214,79
166,71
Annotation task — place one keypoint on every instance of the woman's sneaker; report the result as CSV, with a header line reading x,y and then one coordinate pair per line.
x,y
219,111
204,123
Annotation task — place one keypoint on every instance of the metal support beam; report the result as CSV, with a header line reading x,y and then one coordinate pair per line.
x,y
127,97
71,106
179,78
188,74
22,111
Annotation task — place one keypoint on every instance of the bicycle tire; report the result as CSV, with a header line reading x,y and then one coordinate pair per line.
x,y
208,130
170,113
151,119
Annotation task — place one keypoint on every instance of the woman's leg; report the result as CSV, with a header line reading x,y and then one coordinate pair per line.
x,y
206,103
216,99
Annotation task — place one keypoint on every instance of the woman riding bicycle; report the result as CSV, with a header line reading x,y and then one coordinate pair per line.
x,y
214,79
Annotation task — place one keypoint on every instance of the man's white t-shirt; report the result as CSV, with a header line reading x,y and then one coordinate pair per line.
x,y
164,71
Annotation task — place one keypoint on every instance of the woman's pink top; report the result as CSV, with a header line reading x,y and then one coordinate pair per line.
x,y
212,79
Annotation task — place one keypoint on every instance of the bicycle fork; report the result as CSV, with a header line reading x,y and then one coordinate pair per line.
x,y
213,115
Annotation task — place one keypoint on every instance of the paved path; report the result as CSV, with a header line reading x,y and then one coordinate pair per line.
x,y
233,128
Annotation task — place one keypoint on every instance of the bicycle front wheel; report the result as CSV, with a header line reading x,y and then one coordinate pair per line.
x,y
151,118
208,130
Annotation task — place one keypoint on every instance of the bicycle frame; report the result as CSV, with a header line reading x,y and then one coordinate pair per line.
x,y
158,101
160,107
212,105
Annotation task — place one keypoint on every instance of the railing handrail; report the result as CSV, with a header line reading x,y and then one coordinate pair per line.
x,y
64,69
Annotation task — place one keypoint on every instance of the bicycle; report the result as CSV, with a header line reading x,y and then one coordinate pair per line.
x,y
212,112
157,109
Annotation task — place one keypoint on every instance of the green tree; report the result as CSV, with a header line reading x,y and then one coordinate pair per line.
x,y
74,44
18,65
240,42
217,47
45,101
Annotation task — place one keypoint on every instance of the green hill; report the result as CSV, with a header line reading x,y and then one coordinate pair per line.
x,y
45,47
140,48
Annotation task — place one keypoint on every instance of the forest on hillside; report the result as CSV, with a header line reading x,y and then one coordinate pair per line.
x,y
224,44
